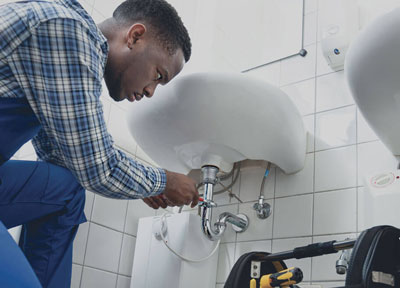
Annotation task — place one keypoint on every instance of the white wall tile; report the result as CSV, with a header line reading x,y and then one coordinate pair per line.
x,y
298,68
303,95
335,169
30,157
332,92
361,225
280,245
118,128
335,212
106,8
309,285
299,183
364,131
328,284
76,276
26,150
335,128
374,157
310,6
89,2
15,233
310,28
103,249
322,64
93,278
80,241
229,234
224,198
259,229
110,212
309,124
253,246
87,5
136,209
296,220
219,286
97,16
89,204
268,73
250,183
127,254
123,282
324,267
226,260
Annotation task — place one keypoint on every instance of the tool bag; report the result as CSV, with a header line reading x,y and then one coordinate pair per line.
x,y
240,277
375,260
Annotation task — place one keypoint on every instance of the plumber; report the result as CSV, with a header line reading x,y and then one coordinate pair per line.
x,y
53,58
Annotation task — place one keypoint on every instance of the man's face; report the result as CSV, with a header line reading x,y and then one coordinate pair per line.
x,y
136,68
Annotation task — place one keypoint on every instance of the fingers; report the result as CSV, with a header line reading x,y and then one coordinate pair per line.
x,y
169,203
180,189
195,201
159,201
149,203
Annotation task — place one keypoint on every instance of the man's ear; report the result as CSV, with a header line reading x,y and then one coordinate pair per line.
x,y
135,32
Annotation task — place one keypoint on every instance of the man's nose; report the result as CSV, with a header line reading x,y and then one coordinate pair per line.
x,y
149,90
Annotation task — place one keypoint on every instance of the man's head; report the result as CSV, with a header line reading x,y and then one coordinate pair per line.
x,y
148,46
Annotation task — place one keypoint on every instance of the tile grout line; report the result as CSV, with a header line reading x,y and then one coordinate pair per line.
x,y
87,239
315,129
122,240
357,220
273,211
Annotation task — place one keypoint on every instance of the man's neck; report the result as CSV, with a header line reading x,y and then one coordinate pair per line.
x,y
109,28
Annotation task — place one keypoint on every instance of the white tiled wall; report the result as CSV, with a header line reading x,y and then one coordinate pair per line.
x,y
319,203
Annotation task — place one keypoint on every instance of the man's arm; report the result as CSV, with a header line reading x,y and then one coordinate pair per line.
x,y
60,69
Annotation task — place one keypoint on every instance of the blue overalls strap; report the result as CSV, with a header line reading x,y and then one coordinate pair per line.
x,y
18,124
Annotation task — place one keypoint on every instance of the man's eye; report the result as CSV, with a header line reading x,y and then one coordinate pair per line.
x,y
159,76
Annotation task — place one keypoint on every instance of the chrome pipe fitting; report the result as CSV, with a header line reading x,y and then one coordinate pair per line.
x,y
343,262
239,222
263,209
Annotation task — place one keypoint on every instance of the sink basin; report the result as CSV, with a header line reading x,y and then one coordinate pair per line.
x,y
372,69
218,119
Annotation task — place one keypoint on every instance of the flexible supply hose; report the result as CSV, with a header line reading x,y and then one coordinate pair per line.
x,y
164,222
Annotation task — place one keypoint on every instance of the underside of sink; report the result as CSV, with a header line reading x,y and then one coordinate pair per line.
x,y
219,119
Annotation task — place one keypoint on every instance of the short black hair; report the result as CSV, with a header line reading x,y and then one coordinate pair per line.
x,y
162,17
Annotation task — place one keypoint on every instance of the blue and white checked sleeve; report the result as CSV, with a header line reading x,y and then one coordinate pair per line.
x,y
60,71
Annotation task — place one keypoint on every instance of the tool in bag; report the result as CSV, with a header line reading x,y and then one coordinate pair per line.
x,y
282,278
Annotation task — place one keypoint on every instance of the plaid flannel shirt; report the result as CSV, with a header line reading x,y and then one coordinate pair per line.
x,y
52,53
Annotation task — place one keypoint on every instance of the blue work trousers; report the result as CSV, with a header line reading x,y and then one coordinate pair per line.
x,y
48,201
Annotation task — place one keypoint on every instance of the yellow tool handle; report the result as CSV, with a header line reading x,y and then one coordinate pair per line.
x,y
282,278
253,283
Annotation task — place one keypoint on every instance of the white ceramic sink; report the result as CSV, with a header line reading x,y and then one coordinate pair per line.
x,y
372,70
218,119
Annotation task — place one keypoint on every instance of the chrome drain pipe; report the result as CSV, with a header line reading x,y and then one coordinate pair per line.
x,y
239,222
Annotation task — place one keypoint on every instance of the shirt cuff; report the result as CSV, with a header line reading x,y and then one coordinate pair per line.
x,y
160,181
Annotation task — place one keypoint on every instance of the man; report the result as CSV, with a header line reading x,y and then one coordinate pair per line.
x,y
52,60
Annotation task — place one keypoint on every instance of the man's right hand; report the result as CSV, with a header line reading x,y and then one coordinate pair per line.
x,y
181,190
